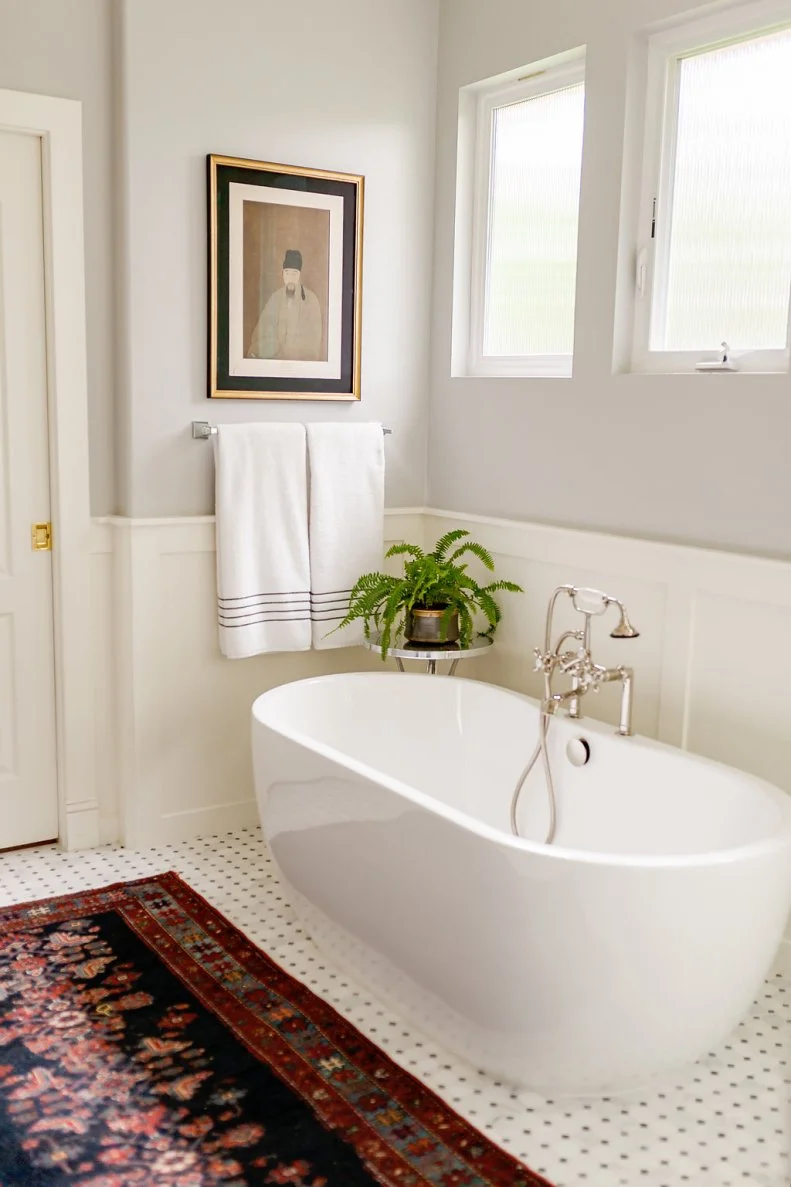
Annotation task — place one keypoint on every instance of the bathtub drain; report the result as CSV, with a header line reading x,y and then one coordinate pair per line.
x,y
578,752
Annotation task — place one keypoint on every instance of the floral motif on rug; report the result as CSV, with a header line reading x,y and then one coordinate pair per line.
x,y
145,1040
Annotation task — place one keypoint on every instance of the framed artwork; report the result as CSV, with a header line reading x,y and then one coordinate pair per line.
x,y
285,281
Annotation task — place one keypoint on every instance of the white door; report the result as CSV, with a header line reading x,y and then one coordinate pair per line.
x,y
28,777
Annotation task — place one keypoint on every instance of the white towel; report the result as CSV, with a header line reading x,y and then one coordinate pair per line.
x,y
263,565
347,494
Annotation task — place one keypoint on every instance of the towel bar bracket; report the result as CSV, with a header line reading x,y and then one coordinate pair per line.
x,y
202,430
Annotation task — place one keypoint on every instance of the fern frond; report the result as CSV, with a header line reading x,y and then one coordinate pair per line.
x,y
405,550
483,554
367,593
490,608
506,586
445,542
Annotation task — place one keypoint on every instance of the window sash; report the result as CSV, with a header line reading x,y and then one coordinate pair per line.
x,y
666,52
542,83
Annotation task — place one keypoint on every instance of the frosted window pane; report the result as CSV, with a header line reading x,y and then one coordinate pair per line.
x,y
729,267
536,161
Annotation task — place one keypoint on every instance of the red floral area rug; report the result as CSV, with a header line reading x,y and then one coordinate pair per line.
x,y
144,1040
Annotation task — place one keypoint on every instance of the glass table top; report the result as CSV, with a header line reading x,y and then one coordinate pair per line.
x,y
428,651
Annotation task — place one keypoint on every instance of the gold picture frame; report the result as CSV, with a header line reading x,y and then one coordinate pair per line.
x,y
285,281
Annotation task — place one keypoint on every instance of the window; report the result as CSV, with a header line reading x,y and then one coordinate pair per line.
x,y
715,262
528,161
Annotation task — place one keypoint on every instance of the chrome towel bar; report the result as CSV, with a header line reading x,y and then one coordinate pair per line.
x,y
202,430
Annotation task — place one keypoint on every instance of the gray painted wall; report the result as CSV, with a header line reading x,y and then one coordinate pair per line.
x,y
349,86
698,458
62,48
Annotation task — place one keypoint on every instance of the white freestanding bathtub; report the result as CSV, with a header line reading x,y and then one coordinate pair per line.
x,y
629,947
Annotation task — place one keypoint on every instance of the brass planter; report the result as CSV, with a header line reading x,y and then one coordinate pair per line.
x,y
423,626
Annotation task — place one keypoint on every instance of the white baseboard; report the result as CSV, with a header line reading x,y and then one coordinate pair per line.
x,y
207,822
83,825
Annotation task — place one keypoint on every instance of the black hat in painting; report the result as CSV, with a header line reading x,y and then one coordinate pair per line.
x,y
293,259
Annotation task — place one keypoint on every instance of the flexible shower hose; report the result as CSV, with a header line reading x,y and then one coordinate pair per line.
x,y
541,749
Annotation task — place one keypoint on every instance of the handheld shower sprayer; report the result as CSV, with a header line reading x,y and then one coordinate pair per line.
x,y
624,629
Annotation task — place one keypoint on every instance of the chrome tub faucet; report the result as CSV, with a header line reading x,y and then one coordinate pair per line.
x,y
577,663
585,676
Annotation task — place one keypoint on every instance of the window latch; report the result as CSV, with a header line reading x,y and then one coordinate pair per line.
x,y
723,363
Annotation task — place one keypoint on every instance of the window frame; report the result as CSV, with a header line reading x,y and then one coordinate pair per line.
x,y
665,51
542,82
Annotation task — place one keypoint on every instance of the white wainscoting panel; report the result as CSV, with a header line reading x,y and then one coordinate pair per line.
x,y
738,694
173,735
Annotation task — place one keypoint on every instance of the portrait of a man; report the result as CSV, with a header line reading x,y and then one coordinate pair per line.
x,y
286,261
285,281
290,325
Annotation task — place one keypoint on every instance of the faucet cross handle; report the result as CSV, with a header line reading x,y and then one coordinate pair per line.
x,y
545,661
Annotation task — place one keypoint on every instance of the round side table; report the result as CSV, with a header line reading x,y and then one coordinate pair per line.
x,y
432,655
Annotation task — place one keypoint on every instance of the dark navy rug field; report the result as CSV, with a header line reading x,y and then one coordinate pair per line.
x,y
144,1040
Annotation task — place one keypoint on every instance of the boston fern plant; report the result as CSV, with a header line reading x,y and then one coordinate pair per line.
x,y
430,581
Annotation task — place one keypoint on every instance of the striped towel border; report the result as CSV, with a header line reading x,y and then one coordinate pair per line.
x,y
290,606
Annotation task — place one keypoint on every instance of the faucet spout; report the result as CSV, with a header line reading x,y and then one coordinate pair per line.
x,y
553,702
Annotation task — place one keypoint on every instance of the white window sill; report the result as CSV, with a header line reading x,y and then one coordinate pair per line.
x,y
774,362
522,367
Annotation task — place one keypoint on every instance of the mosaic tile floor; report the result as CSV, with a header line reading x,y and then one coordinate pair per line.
x,y
724,1123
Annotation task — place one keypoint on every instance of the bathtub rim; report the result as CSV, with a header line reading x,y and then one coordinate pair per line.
x,y
776,842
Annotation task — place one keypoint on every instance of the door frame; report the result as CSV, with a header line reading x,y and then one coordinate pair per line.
x,y
58,125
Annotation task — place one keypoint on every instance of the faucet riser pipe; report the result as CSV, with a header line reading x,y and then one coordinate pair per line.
x,y
625,724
